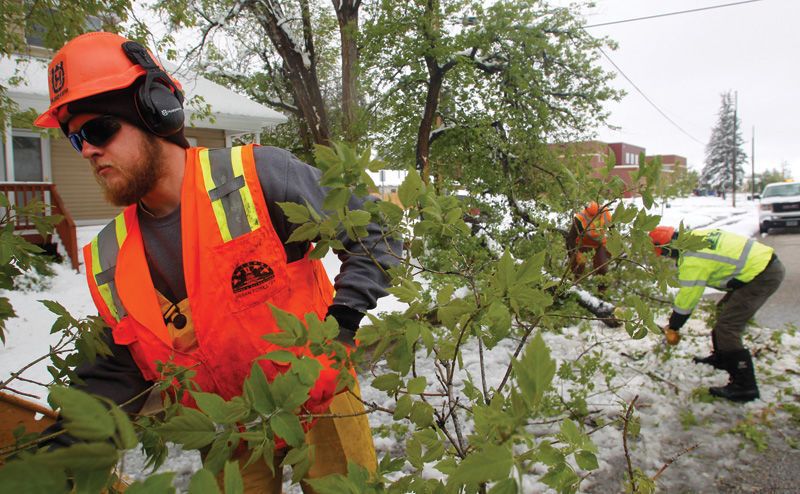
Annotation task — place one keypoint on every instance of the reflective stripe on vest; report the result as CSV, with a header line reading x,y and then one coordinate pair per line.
x,y
738,263
105,247
223,175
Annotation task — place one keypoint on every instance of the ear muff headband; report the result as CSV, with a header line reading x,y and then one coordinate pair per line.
x,y
158,100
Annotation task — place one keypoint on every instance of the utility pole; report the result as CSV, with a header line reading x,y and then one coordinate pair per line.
x,y
753,164
733,164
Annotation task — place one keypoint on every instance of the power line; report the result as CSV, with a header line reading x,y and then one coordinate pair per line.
x,y
666,14
648,99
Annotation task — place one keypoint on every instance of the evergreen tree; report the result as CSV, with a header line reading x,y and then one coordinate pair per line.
x,y
717,173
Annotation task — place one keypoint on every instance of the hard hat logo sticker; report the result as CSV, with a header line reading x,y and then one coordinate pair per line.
x,y
57,78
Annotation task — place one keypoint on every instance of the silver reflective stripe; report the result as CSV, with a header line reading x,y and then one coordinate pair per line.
x,y
711,257
739,264
688,283
223,176
683,312
107,250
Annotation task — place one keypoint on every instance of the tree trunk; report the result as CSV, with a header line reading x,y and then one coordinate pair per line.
x,y
428,117
347,15
299,64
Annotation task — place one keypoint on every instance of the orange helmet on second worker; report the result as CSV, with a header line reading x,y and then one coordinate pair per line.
x,y
661,236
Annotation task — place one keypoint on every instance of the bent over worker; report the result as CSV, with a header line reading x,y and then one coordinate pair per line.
x,y
187,273
749,271
588,234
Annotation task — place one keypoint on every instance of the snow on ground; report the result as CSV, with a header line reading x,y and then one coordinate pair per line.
x,y
673,419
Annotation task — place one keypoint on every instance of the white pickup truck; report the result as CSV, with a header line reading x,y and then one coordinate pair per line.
x,y
780,206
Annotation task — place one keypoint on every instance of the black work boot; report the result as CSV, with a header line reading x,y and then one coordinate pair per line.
x,y
742,384
712,360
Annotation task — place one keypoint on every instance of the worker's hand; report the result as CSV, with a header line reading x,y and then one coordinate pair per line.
x,y
673,336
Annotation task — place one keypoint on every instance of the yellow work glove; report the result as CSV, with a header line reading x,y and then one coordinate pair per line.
x,y
673,337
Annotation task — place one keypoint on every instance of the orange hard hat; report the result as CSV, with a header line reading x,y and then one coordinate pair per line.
x,y
661,236
88,65
593,208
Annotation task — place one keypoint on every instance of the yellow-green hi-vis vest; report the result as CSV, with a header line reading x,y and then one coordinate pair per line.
x,y
728,256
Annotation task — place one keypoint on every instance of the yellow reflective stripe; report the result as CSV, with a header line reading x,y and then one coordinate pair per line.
x,y
121,228
247,198
219,211
105,290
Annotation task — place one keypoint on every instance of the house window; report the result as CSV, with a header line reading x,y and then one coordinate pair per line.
x,y
27,156
2,165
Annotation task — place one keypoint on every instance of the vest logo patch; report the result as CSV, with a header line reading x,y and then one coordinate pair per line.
x,y
251,275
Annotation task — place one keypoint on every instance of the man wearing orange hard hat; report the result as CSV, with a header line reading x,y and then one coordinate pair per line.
x,y
188,272
588,234
748,271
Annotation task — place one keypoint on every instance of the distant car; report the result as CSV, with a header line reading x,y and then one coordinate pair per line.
x,y
780,206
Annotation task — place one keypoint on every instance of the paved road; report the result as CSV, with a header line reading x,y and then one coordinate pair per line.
x,y
783,306
778,469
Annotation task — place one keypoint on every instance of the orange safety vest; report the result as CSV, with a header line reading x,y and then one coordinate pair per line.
x,y
234,267
594,226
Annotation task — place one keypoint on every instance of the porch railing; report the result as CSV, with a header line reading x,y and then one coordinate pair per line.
x,y
23,193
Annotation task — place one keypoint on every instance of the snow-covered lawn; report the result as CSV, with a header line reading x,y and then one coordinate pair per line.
x,y
675,418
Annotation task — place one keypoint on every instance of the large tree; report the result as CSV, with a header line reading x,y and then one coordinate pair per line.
x,y
297,56
725,143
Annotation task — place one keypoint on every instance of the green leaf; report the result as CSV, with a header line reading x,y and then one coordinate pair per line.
x,y
387,382
91,481
305,232
410,189
403,407
421,414
392,212
505,274
505,486
31,477
256,389
294,333
287,426
498,320
221,450
218,409
490,463
84,416
125,431
295,213
203,482
360,218
571,433
586,460
160,483
417,385
450,313
336,199
81,456
530,271
535,371
333,484
233,478
191,429
289,392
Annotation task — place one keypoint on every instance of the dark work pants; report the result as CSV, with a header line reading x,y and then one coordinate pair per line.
x,y
741,304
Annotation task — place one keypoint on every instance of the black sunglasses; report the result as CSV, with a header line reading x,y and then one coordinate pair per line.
x,y
96,132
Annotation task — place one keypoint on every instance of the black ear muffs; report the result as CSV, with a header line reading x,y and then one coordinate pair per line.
x,y
158,100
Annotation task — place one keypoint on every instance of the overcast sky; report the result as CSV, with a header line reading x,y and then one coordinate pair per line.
x,y
684,62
